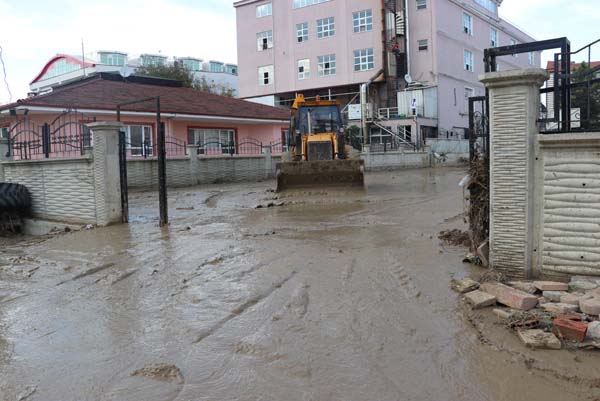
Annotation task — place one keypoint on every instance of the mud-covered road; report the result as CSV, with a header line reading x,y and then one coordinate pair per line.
x,y
338,296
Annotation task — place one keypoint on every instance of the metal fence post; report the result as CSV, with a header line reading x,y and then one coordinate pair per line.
x,y
46,140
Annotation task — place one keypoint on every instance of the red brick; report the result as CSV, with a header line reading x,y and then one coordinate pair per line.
x,y
510,297
570,327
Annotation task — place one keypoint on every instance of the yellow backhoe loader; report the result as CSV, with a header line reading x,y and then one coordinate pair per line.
x,y
317,148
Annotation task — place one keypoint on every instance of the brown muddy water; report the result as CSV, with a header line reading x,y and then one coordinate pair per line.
x,y
329,297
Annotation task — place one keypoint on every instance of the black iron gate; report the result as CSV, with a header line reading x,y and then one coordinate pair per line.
x,y
479,169
123,175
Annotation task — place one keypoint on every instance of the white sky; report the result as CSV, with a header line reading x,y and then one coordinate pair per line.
x,y
32,31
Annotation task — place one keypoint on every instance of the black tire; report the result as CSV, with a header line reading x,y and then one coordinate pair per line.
x,y
15,198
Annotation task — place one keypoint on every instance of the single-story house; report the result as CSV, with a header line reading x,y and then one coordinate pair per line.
x,y
190,116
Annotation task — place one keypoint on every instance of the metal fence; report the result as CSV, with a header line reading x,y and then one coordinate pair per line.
x,y
246,147
173,148
66,136
571,98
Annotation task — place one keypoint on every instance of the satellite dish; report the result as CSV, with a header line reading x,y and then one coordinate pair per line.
x,y
408,79
125,71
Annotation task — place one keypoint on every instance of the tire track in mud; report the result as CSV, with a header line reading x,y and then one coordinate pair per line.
x,y
241,309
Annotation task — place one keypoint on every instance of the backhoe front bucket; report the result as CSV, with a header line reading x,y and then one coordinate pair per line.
x,y
320,173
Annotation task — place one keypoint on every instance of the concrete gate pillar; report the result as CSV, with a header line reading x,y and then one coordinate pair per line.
x,y
107,179
269,168
514,98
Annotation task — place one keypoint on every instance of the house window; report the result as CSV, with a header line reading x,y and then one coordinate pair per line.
x,y
265,75
362,21
493,37
302,32
148,60
421,4
489,5
139,138
531,58
325,27
213,140
304,69
467,24
364,59
468,56
216,66
4,132
264,40
306,3
264,10
423,44
326,65
114,59
192,65
231,69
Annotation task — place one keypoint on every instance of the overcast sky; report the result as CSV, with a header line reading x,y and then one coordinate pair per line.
x,y
32,31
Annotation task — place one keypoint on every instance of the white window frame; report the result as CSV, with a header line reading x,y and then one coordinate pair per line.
x,y
362,21
513,42
264,10
467,24
364,59
264,40
421,4
306,3
423,45
302,32
493,37
325,27
146,130
468,60
531,58
303,69
269,78
327,65
220,140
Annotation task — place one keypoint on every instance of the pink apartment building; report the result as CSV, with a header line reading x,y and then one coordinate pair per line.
x,y
424,55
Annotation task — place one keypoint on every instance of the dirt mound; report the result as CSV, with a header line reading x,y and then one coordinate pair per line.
x,y
456,237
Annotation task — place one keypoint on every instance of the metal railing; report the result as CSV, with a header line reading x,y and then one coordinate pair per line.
x,y
66,136
174,147
572,97
396,141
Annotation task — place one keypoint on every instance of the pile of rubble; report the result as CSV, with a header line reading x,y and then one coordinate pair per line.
x,y
545,314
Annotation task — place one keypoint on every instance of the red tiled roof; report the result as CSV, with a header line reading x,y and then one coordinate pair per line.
x,y
100,93
574,65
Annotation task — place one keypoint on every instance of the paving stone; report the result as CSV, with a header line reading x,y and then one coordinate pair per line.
x,y
465,285
593,331
479,299
591,306
582,285
558,308
503,313
523,286
554,296
539,339
509,296
570,327
573,298
551,286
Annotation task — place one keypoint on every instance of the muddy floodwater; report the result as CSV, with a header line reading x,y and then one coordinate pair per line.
x,y
320,296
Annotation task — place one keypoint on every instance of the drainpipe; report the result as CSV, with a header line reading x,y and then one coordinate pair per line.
x,y
364,100
407,36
